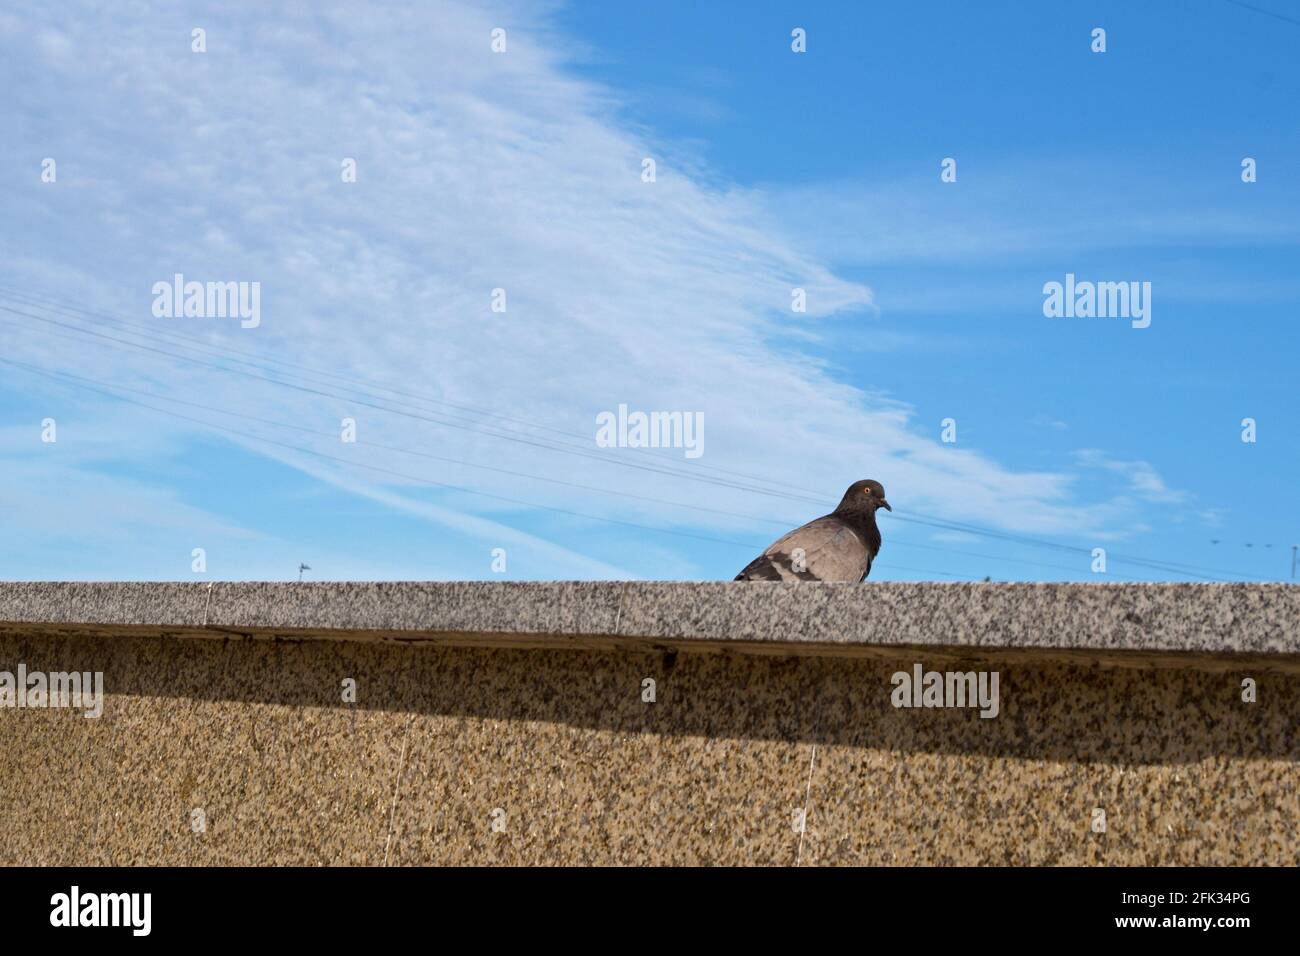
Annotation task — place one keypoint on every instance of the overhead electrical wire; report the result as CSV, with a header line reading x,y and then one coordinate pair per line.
x,y
667,469
418,479
110,389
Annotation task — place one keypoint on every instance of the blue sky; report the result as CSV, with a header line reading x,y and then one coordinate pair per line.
x,y
522,170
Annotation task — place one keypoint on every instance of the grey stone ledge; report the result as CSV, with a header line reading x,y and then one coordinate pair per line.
x,y
1139,624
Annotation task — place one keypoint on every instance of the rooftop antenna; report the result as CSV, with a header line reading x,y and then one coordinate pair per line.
x,y
301,569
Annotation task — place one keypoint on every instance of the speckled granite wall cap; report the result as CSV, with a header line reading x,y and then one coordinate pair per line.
x,y
1206,619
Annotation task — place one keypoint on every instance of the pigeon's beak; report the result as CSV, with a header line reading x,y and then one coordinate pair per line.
x,y
885,504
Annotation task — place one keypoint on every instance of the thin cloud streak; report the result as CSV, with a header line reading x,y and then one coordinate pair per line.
x,y
476,171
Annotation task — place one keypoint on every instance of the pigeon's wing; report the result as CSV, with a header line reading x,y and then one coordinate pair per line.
x,y
831,551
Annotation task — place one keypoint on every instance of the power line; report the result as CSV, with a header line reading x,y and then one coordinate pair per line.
x,y
567,448
397,474
1166,567
98,386
1267,13
537,443
427,481
1189,570
225,352
386,447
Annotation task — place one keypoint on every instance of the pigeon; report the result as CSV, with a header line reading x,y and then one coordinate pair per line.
x,y
839,546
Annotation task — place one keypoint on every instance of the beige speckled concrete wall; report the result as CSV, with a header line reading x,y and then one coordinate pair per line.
x,y
254,734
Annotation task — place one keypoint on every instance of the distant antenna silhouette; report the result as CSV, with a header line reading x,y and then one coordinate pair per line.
x,y
301,569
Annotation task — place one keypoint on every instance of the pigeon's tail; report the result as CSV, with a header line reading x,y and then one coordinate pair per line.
x,y
764,568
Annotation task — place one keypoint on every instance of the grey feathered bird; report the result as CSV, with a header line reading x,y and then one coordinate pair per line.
x,y
839,546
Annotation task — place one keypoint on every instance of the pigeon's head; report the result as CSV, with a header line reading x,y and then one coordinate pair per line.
x,y
865,495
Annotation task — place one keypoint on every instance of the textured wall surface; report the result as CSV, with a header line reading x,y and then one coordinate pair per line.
x,y
1120,620
254,733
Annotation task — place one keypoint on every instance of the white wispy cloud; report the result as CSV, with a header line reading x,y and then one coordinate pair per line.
x,y
1008,213
1141,476
476,171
